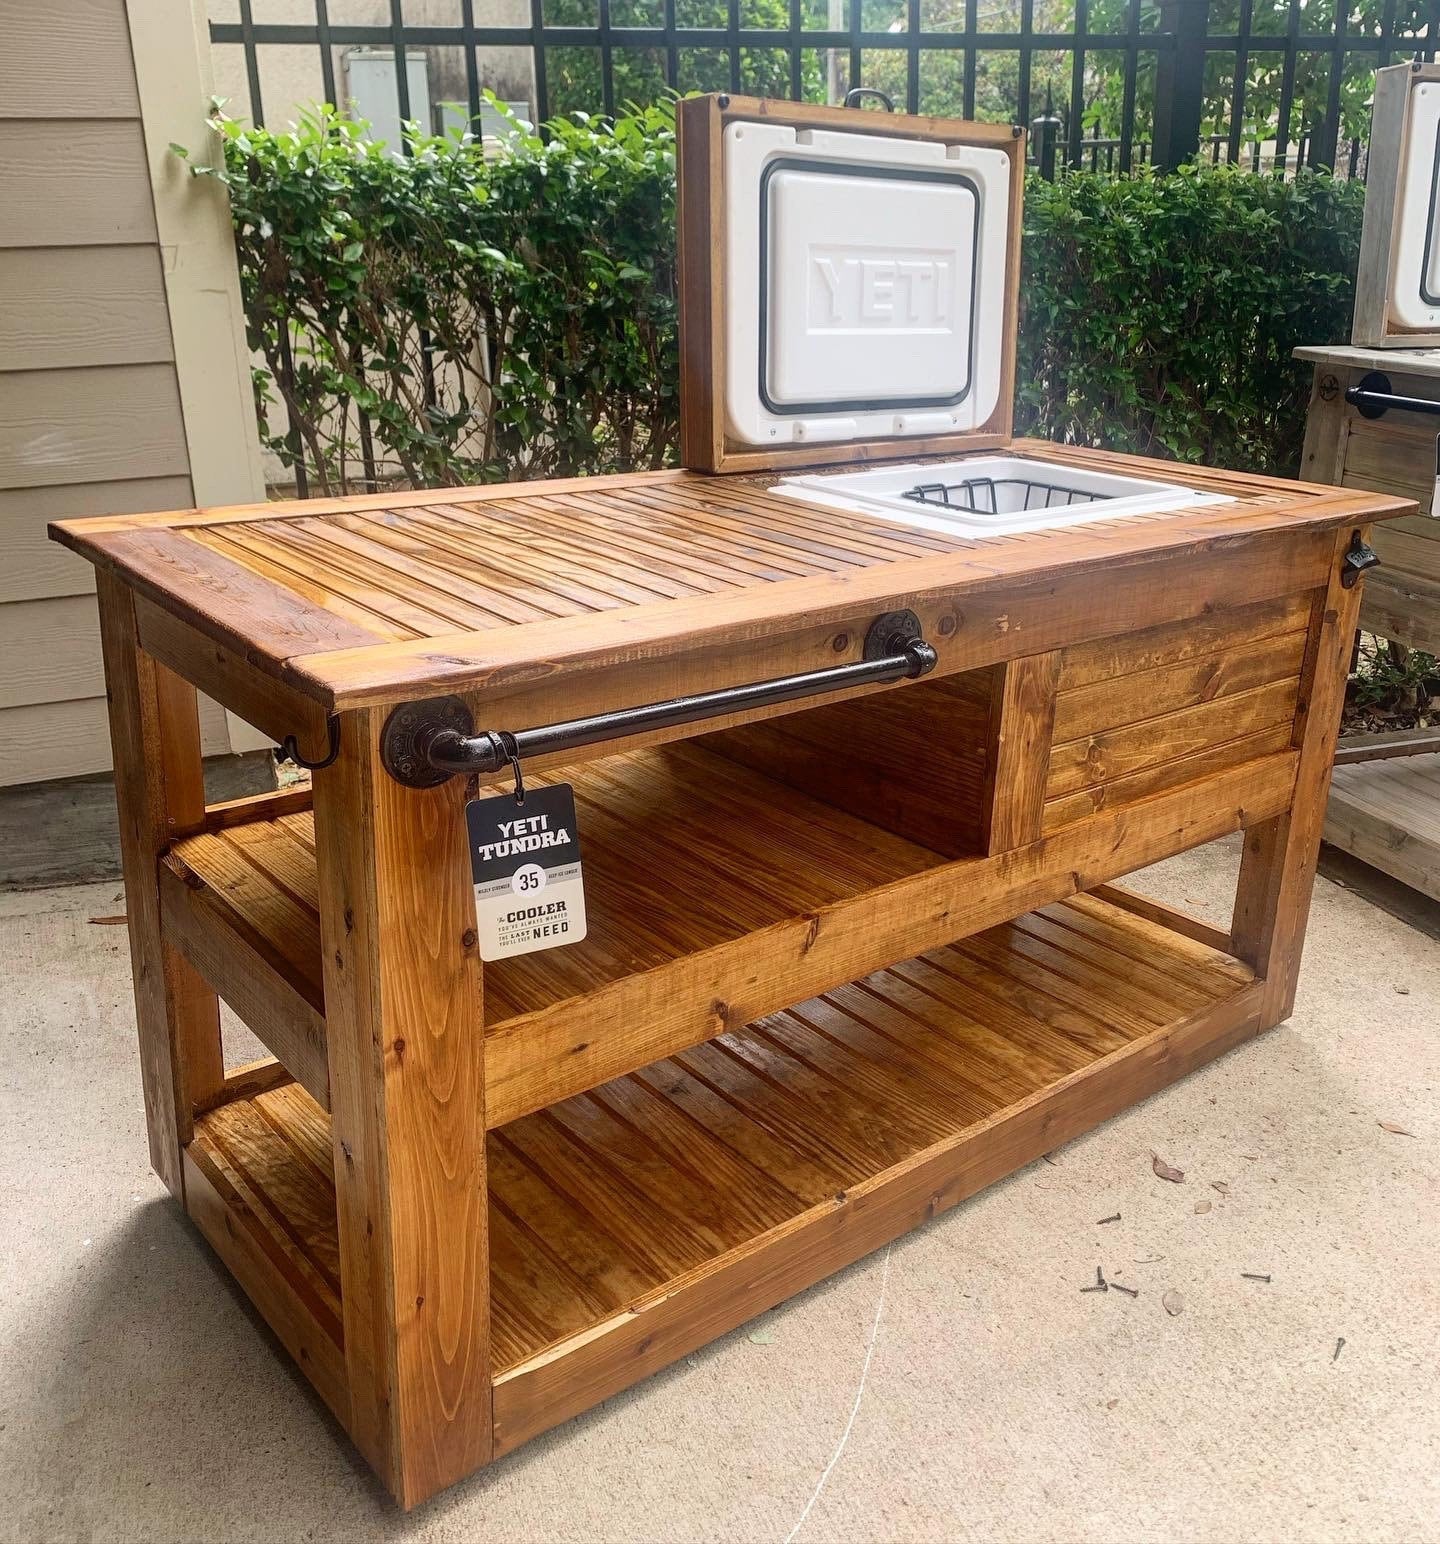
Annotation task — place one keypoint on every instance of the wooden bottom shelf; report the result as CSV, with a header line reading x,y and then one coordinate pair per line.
x,y
1387,814
634,1222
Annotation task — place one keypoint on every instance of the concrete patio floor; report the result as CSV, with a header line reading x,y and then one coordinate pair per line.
x,y
957,1386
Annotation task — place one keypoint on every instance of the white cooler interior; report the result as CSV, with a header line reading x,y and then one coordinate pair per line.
x,y
993,495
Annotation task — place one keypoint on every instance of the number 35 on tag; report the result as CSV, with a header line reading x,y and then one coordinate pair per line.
x,y
525,863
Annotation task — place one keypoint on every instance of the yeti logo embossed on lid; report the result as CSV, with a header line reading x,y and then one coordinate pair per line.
x,y
908,291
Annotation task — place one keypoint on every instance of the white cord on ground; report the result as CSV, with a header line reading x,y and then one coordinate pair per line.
x,y
855,1408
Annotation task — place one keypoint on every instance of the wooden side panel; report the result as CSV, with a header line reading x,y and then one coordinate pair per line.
x,y
1145,712
1277,870
406,1038
1022,728
1396,453
911,761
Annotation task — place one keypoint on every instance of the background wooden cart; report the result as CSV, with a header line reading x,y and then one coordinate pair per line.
x,y
1385,794
1371,424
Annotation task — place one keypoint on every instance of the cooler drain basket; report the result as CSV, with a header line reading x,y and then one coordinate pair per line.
x,y
1000,496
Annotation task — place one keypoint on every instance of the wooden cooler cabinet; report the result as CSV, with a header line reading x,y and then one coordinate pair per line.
x,y
856,761
1372,422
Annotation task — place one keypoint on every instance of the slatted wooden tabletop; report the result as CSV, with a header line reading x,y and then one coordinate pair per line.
x,y
370,599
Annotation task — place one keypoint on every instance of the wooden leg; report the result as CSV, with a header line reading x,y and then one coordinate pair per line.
x,y
1323,456
1277,871
406,1042
159,792
1021,720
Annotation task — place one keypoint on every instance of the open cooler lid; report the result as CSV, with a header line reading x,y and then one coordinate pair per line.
x,y
1415,278
848,283
1397,284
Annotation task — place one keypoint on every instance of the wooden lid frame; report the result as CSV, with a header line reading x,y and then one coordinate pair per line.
x,y
705,444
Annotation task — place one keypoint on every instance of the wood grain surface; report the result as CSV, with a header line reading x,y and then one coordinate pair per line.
x,y
407,1095
634,1222
714,894
159,790
382,598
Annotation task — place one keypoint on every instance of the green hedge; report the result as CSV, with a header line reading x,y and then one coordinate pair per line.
x,y
444,318
1159,313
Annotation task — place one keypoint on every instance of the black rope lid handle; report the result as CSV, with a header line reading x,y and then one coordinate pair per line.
x,y
857,94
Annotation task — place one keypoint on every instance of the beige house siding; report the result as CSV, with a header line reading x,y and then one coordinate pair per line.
x,y
108,253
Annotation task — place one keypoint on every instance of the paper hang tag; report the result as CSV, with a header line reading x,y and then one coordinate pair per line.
x,y
525,863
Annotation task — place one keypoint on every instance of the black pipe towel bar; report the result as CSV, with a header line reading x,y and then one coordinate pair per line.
x,y
1372,395
424,743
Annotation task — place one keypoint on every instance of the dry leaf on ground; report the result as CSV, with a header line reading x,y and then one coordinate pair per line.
x,y
1223,1186
1394,1129
1201,1207
118,921
1173,1302
1166,1170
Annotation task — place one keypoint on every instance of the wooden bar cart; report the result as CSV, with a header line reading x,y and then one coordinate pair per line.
x,y
1373,421
853,952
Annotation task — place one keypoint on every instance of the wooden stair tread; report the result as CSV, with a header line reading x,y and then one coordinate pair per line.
x,y
610,1199
682,850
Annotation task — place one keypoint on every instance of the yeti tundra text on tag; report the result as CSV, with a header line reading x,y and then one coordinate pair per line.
x,y
525,862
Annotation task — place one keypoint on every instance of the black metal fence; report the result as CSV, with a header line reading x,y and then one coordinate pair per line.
x,y
1110,84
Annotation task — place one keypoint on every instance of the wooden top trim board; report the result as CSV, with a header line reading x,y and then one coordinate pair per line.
x,y
381,598
1392,361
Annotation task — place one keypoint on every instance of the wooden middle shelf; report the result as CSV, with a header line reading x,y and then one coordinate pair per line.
x,y
614,1213
685,853
715,894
